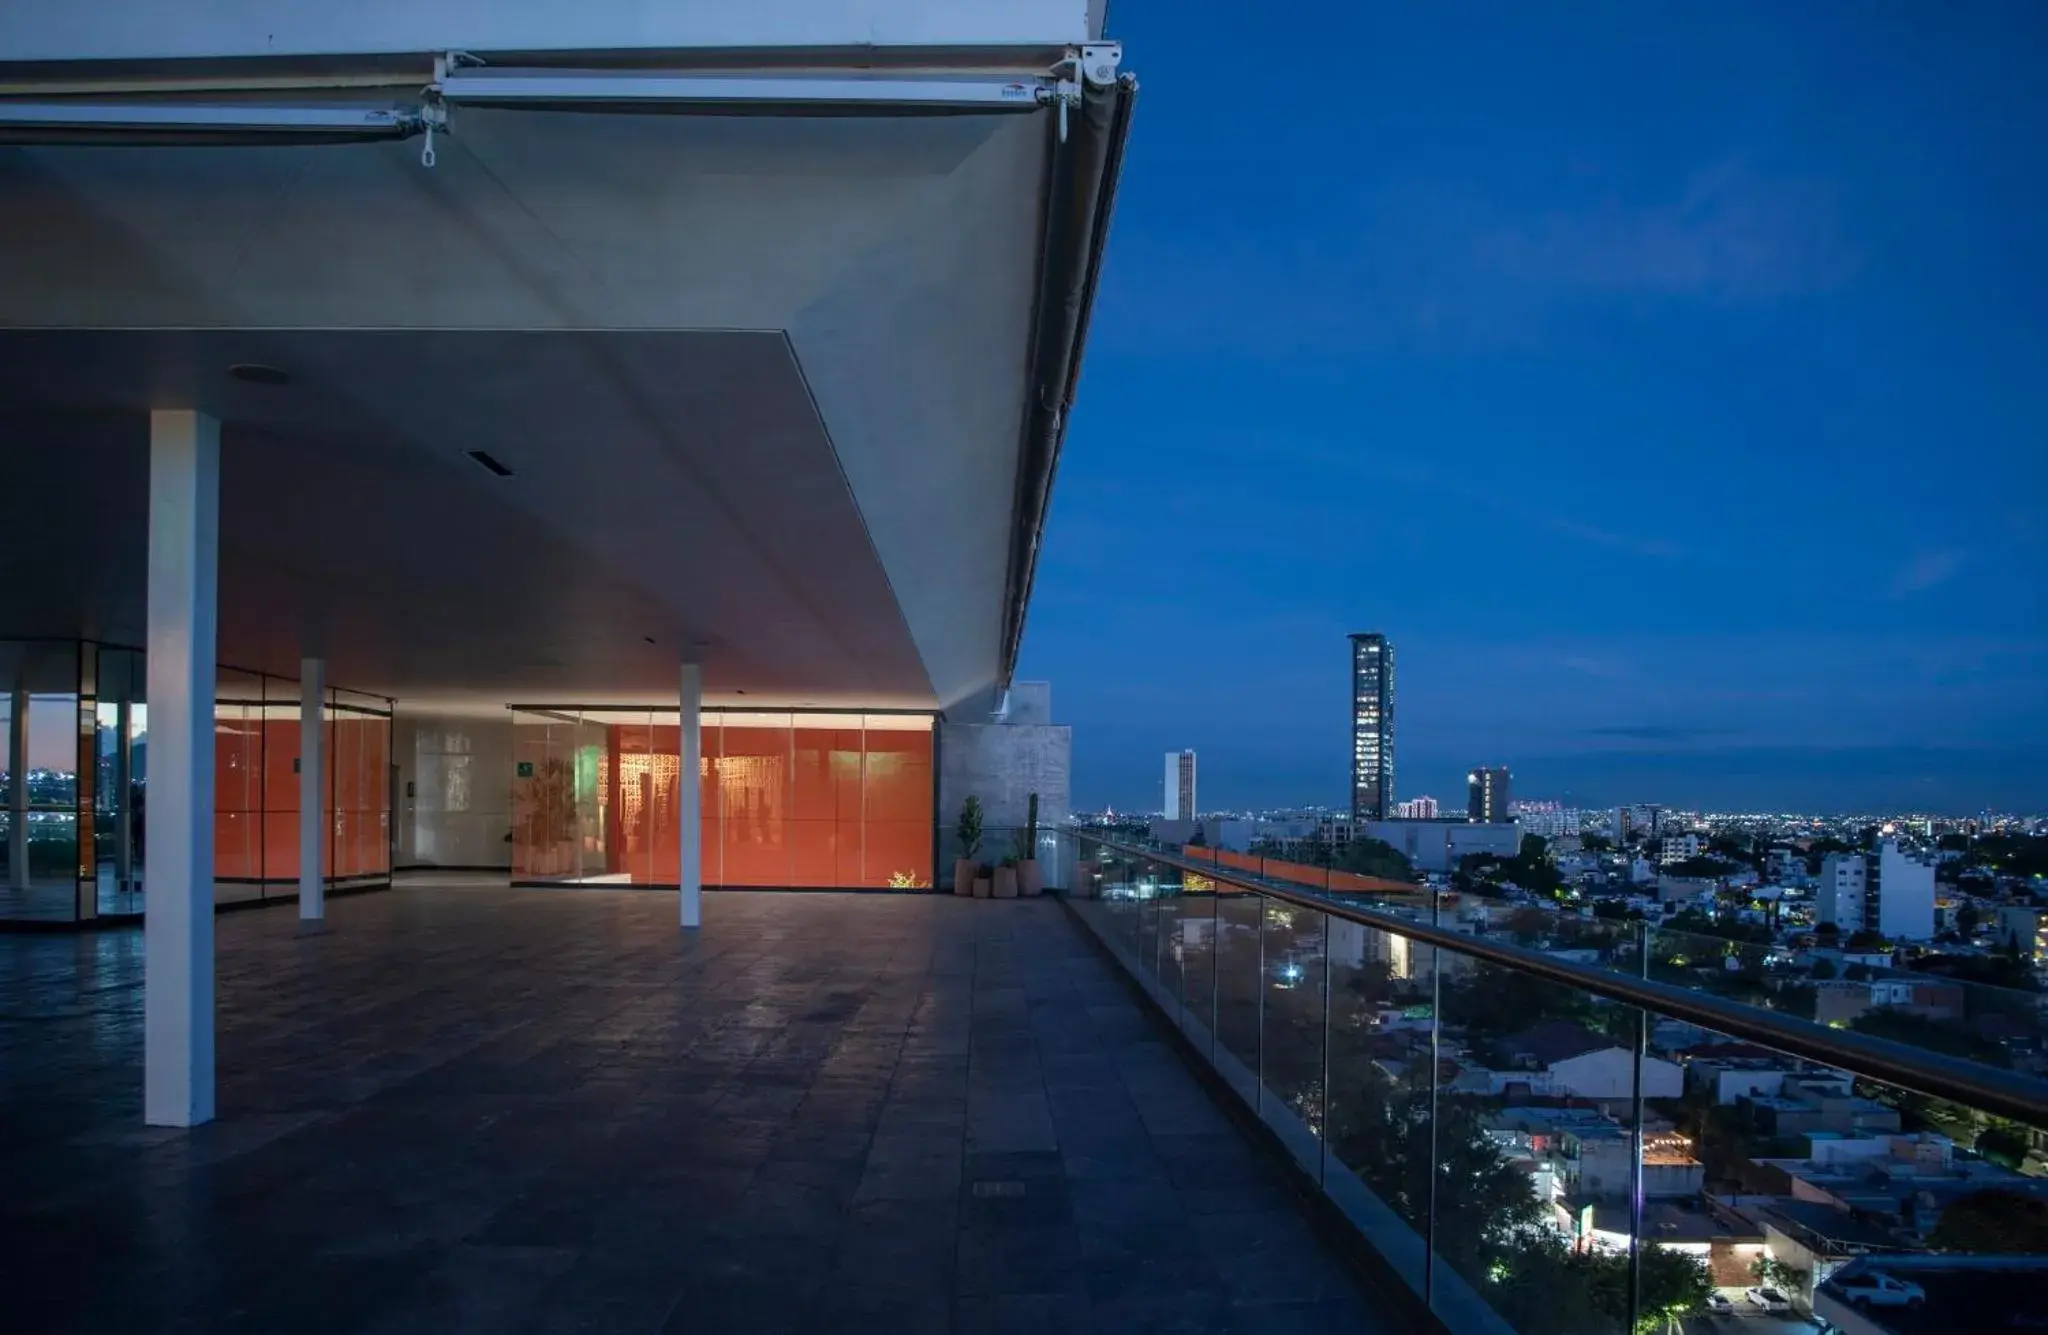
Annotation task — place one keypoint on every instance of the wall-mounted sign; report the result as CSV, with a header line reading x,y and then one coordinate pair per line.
x,y
525,769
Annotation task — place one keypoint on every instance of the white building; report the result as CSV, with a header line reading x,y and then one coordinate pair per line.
x,y
1839,899
1678,848
1549,819
1180,786
1416,808
1562,1059
1436,845
1890,892
1900,903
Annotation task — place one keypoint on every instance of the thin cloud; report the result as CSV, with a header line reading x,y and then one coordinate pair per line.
x,y
1602,537
1729,237
1658,732
1605,668
1929,570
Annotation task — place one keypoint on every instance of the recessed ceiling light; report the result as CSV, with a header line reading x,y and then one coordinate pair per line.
x,y
648,638
255,373
489,464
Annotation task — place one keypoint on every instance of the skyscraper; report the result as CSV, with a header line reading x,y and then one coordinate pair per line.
x,y
1372,727
1180,785
1486,797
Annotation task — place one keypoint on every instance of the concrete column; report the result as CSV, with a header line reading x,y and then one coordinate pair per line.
x,y
313,826
689,802
17,792
184,513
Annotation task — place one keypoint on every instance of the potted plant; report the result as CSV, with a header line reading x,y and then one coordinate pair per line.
x,y
967,868
1006,878
1030,880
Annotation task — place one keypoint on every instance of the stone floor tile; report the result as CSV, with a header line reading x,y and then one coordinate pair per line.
x,y
469,1108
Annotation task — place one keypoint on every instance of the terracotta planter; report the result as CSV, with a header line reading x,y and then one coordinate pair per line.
x,y
1030,880
1006,883
982,886
964,870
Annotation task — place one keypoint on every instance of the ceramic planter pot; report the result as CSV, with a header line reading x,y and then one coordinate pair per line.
x,y
982,886
964,871
1030,880
1006,883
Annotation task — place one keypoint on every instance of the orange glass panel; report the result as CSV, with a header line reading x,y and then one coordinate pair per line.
x,y
710,843
899,777
899,853
664,804
374,853
238,793
643,777
338,791
813,852
280,797
754,792
825,837
850,845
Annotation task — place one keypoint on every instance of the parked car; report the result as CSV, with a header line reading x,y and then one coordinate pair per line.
x,y
1874,1288
1718,1304
1768,1299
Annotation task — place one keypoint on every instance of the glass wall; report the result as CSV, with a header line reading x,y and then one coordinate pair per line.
x,y
84,728
1527,1154
39,818
799,799
358,745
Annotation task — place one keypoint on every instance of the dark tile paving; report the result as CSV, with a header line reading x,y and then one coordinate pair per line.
x,y
483,1110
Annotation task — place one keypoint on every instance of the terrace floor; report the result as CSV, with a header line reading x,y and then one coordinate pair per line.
x,y
469,1108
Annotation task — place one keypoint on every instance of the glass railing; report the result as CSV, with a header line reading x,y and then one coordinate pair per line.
x,y
1744,962
1584,1136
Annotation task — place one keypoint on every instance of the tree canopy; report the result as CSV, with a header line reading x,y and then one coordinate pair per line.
x,y
1994,1220
1375,857
1934,1035
1530,868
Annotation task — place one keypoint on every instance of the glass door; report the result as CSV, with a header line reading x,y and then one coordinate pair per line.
x,y
120,753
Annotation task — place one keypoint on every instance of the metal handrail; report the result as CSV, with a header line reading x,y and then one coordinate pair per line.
x,y
1986,1088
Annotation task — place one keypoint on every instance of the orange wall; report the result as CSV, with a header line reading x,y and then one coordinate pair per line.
x,y
256,796
816,806
1298,873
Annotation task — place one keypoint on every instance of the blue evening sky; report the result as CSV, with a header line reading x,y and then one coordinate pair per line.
x,y
1669,382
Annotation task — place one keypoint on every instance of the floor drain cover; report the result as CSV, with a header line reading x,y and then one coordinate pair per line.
x,y
987,1189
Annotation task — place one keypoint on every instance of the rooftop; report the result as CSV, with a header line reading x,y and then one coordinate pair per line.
x,y
1557,1040
474,1108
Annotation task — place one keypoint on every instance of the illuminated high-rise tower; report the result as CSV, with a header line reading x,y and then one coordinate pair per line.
x,y
1372,727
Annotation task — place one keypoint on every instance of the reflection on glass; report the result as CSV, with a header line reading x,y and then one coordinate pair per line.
x,y
785,799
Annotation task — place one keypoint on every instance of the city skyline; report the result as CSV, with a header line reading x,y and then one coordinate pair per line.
x,y
1687,453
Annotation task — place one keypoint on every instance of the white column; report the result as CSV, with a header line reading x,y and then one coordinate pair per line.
x,y
17,792
313,831
689,801
184,512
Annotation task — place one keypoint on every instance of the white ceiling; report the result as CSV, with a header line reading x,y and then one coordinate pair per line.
x,y
667,486
761,381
